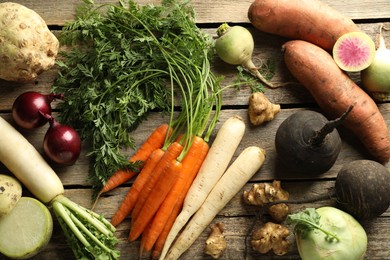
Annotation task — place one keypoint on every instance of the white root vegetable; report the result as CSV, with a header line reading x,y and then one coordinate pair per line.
x,y
236,176
10,193
215,164
27,46
24,161
89,234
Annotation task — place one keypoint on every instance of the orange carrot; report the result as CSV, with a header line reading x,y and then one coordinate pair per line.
x,y
143,238
159,220
156,197
159,243
153,142
132,195
171,153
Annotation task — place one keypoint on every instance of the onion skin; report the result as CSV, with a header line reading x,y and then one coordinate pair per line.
x,y
27,109
61,143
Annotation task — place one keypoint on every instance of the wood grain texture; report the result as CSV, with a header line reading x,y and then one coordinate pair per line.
x,y
236,216
58,12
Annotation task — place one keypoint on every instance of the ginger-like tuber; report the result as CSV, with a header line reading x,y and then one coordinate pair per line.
x,y
264,193
261,109
271,236
27,46
216,243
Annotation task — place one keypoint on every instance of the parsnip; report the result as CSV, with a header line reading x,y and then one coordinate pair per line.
x,y
217,160
239,173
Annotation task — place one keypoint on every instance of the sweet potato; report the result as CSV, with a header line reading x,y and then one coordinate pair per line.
x,y
334,92
309,20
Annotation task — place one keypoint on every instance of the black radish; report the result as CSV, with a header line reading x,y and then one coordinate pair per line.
x,y
307,142
362,189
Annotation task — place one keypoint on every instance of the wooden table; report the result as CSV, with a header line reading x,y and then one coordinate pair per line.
x,y
237,216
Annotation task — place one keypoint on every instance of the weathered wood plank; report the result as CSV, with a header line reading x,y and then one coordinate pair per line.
x,y
58,12
237,218
262,136
267,47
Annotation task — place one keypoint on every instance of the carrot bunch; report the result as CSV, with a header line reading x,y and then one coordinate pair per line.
x,y
172,156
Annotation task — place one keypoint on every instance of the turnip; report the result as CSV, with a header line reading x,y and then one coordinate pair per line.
x,y
234,46
328,233
307,142
376,78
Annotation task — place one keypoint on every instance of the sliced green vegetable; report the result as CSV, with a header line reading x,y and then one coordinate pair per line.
x,y
26,230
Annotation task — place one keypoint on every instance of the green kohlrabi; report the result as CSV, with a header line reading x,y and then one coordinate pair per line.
x,y
328,233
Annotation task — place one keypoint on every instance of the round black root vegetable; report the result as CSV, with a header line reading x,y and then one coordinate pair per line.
x,y
363,189
307,142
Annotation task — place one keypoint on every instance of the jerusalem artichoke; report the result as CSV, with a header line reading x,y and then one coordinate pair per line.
x,y
216,242
264,193
273,237
261,109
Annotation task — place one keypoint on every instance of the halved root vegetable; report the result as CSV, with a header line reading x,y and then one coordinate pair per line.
x,y
354,51
309,20
26,230
334,92
216,162
236,176
89,234
10,193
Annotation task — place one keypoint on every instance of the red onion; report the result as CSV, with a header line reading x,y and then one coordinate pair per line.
x,y
27,107
61,143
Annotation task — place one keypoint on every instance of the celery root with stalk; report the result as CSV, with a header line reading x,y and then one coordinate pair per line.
x,y
90,235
